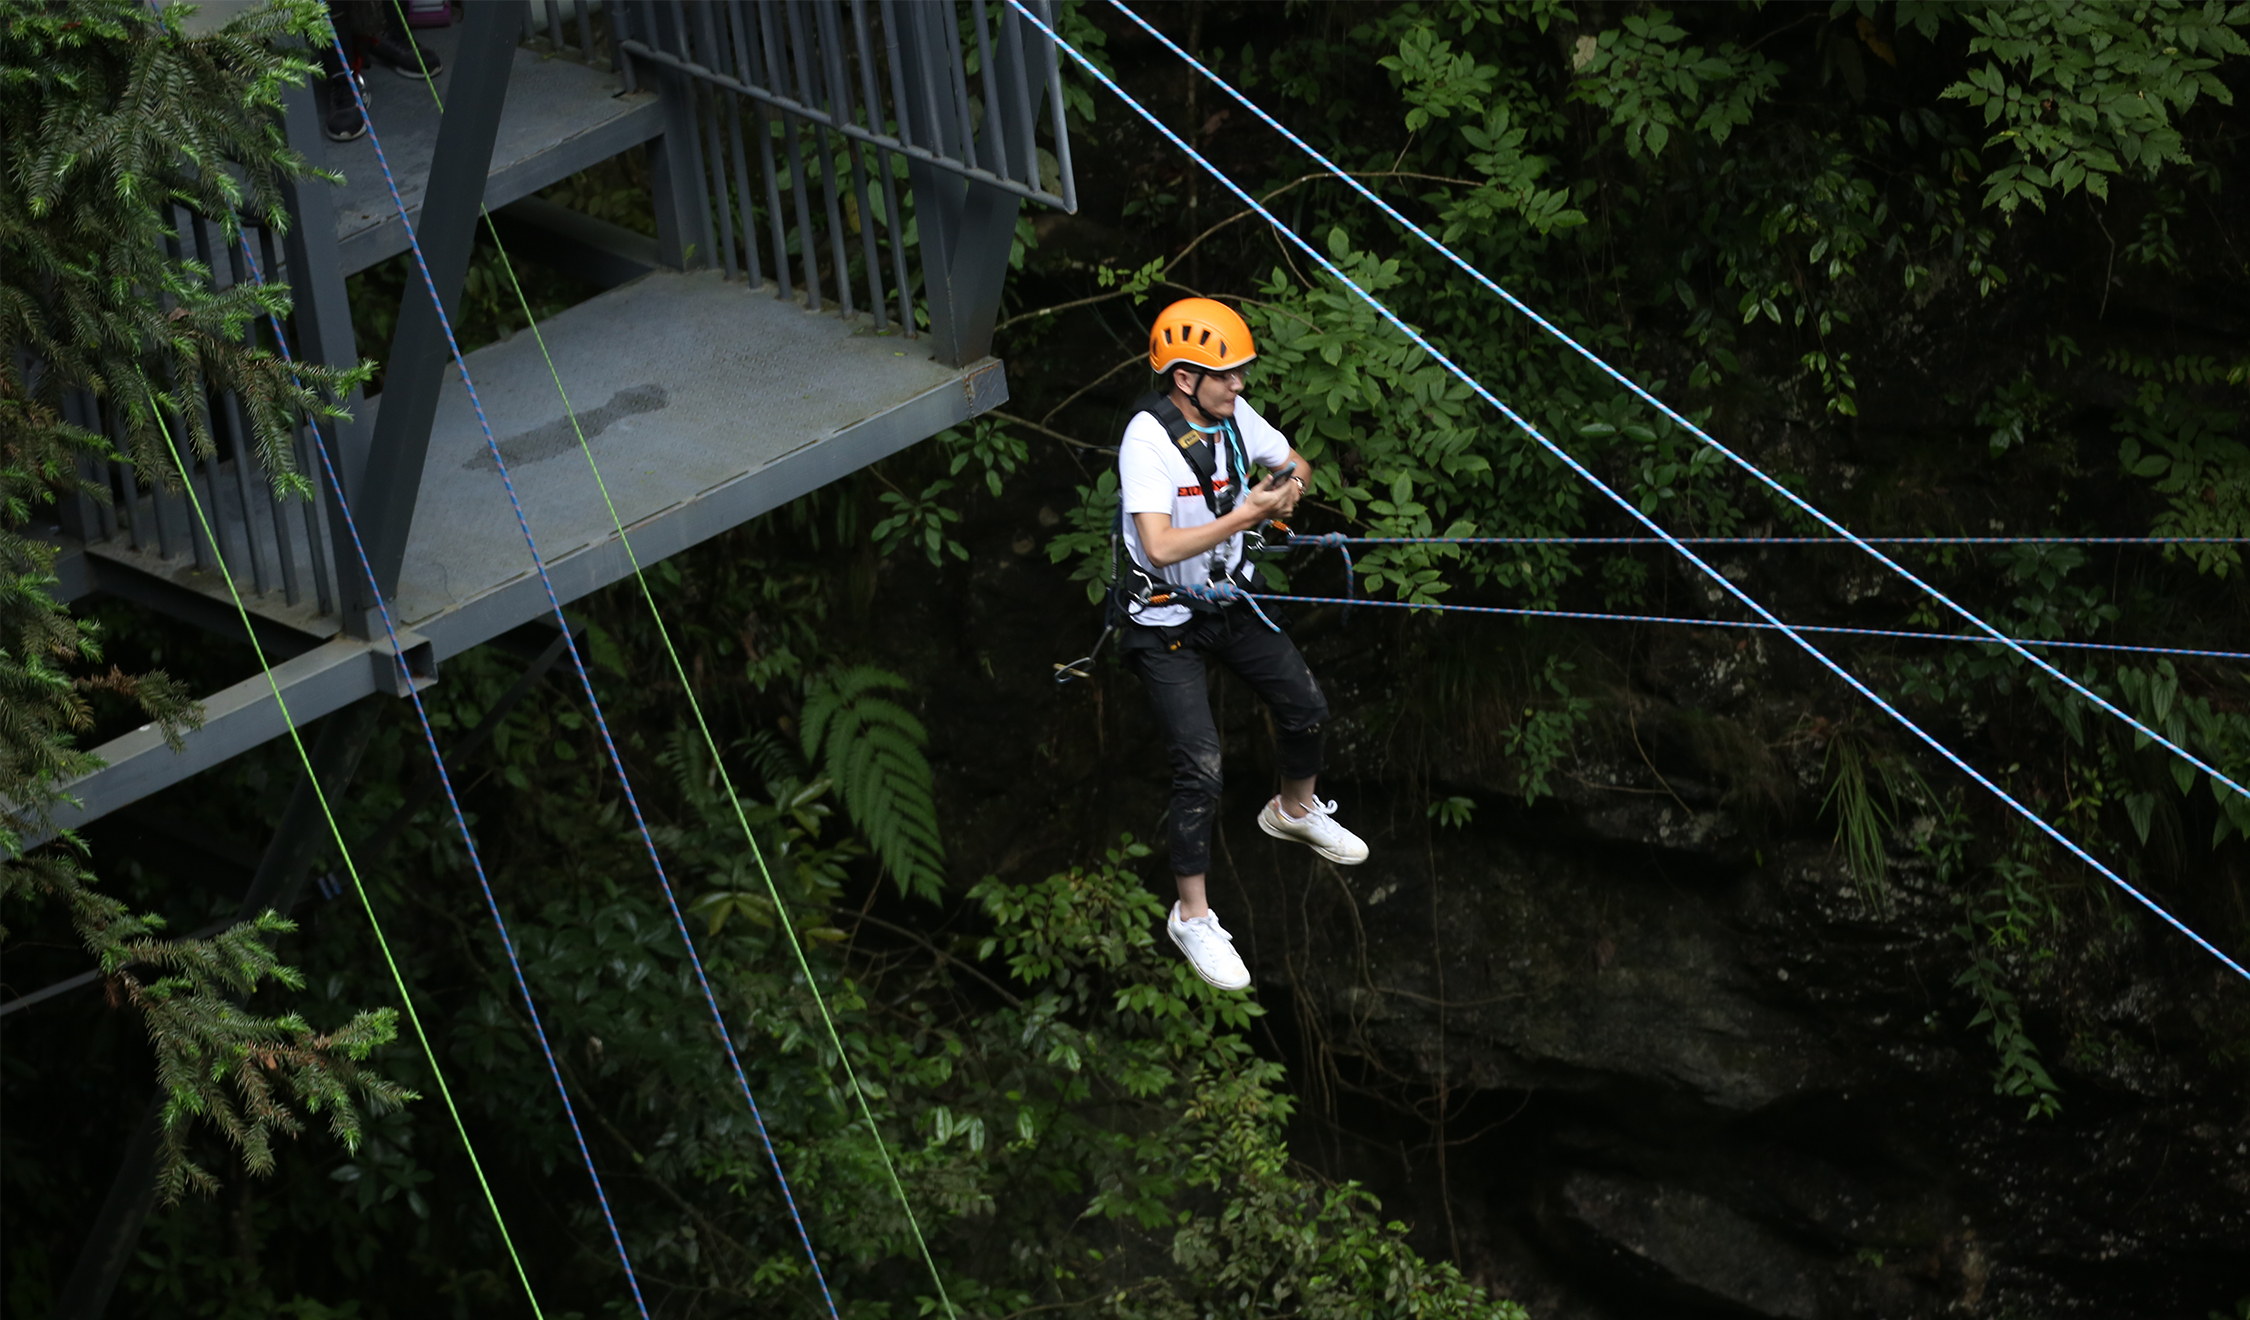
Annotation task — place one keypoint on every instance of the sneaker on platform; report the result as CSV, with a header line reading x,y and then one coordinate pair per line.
x,y
405,56
345,122
1316,829
1209,949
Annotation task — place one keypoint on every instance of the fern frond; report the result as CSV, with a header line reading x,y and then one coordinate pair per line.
x,y
871,747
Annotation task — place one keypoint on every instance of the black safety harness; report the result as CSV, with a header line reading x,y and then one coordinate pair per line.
x,y
1139,585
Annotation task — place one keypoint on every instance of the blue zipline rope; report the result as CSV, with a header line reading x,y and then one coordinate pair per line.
x,y
1620,500
476,862
1621,378
1341,544
585,681
1793,540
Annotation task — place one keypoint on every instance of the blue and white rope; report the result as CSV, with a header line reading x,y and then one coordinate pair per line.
x,y
1341,543
476,862
1588,616
1753,470
1621,501
1798,540
601,723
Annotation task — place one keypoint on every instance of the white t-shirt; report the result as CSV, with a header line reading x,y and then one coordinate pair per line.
x,y
1154,477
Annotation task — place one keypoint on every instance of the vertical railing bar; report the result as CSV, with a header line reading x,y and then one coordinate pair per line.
x,y
934,81
957,78
995,108
220,277
840,101
776,221
892,226
131,490
808,247
292,580
891,57
746,41
1069,189
620,32
811,92
260,580
586,31
554,25
730,44
1027,120
319,535
694,143
96,520
713,57
105,511
158,487
284,554
244,442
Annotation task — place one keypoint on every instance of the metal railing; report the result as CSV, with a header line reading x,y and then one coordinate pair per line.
x,y
271,542
854,112
898,87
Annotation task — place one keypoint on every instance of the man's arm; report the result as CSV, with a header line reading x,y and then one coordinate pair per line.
x,y
1167,545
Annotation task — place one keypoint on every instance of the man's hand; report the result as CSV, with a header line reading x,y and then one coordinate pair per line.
x,y
1271,499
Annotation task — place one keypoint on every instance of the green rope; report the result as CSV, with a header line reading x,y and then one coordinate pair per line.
x,y
718,760
351,868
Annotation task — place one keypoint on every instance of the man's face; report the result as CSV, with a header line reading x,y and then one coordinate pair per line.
x,y
1213,392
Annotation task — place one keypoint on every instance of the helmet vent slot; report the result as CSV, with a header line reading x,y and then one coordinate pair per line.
x,y
1204,340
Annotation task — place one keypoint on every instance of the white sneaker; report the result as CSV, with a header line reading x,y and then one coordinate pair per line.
x,y
1316,829
1209,949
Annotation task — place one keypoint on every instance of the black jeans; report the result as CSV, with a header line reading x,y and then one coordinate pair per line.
x,y
1171,663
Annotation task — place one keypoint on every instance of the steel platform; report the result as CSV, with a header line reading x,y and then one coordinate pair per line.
x,y
560,117
706,402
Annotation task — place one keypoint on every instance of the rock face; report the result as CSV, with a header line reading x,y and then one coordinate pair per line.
x,y
1648,1047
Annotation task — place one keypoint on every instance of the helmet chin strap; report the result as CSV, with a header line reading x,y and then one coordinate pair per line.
x,y
1195,396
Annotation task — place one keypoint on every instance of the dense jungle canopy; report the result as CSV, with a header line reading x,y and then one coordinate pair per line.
x,y
1683,980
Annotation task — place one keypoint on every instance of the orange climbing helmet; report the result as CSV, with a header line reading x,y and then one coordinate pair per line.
x,y
1197,332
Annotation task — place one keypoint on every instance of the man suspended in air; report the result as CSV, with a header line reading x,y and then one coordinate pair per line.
x,y
1180,469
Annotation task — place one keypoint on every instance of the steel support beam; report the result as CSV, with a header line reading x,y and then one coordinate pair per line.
x,y
322,325
281,873
683,215
236,719
414,373
965,227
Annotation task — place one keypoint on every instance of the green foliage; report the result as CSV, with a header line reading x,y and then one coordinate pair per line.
x,y
1865,788
1543,739
110,118
1652,85
987,444
1088,541
207,1047
2085,92
1452,812
2004,926
921,521
871,748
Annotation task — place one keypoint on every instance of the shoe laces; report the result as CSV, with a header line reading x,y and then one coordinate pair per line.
x,y
1208,923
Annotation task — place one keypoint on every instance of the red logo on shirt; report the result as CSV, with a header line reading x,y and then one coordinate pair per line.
x,y
1187,491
